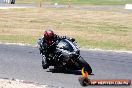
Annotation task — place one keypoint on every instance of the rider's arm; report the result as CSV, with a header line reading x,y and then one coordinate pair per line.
x,y
42,46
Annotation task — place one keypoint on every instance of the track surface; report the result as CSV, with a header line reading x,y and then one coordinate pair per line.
x,y
113,8
24,63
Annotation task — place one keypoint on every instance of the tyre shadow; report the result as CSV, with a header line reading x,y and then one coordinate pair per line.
x,y
59,70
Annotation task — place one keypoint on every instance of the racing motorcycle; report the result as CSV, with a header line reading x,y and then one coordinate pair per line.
x,y
68,57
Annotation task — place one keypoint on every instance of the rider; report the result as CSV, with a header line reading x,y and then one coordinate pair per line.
x,y
48,46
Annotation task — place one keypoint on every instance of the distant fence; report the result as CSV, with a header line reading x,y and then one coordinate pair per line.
x,y
7,1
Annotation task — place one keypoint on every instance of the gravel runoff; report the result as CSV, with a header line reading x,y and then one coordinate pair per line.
x,y
15,83
4,83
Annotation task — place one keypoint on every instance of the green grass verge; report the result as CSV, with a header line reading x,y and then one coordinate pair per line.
x,y
18,39
103,44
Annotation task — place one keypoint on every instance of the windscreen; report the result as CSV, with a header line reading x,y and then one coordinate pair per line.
x,y
64,44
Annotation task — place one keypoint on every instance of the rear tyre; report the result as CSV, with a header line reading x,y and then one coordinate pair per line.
x,y
86,66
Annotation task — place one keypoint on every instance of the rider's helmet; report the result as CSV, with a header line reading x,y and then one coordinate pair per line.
x,y
49,37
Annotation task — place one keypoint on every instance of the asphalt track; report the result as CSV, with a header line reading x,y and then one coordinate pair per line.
x,y
24,63
113,8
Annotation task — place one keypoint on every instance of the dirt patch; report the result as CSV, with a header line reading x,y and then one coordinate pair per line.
x,y
4,83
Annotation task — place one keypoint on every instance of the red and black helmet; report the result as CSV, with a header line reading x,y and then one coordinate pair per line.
x,y
49,36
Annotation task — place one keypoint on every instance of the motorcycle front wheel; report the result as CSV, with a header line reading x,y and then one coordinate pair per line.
x,y
84,64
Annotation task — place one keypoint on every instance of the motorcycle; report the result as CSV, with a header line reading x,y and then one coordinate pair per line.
x,y
68,56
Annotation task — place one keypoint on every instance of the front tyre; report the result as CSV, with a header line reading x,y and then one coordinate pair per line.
x,y
84,64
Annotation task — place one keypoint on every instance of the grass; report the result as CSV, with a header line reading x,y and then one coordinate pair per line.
x,y
85,2
91,29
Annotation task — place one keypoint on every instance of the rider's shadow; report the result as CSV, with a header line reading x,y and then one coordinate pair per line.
x,y
59,70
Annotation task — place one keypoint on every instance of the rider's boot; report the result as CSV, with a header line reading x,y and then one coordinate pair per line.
x,y
45,65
